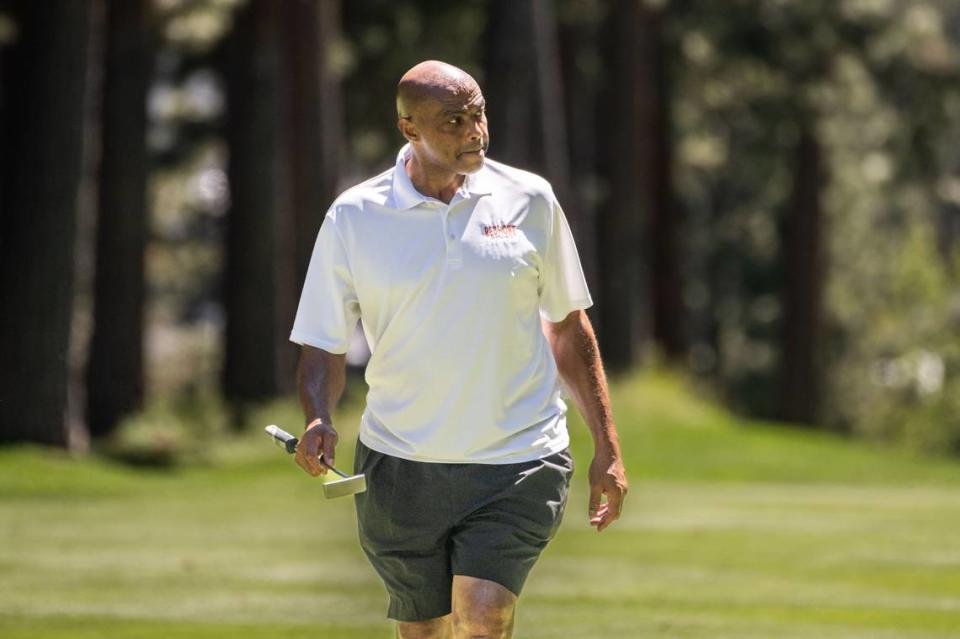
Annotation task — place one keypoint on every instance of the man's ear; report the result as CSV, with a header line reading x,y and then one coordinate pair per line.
x,y
408,129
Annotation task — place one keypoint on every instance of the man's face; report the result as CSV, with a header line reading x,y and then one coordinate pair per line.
x,y
452,131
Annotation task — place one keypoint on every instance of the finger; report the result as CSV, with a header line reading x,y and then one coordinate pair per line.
x,y
608,518
304,463
307,459
329,449
310,443
317,457
309,464
596,495
615,502
601,511
597,519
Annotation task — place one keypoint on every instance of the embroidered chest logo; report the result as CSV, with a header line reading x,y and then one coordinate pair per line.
x,y
499,230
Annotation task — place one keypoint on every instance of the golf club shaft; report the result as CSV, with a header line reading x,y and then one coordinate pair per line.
x,y
289,443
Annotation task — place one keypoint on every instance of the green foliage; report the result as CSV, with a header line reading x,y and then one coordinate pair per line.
x,y
880,80
385,38
196,428
171,431
898,378
892,356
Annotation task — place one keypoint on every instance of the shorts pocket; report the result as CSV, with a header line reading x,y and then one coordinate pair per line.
x,y
365,458
562,461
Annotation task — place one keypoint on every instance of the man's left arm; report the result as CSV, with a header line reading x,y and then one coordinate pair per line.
x,y
575,350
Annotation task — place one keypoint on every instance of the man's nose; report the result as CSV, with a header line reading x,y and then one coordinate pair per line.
x,y
476,131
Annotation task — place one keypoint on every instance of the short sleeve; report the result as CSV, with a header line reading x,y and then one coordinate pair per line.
x,y
563,288
329,309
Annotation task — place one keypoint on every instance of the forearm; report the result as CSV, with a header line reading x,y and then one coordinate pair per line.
x,y
578,360
321,379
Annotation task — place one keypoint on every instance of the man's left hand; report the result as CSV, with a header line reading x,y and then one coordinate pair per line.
x,y
607,479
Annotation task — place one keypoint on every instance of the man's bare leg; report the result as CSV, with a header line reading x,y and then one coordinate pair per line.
x,y
482,609
439,628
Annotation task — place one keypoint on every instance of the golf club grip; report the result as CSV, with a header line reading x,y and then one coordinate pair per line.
x,y
283,437
289,442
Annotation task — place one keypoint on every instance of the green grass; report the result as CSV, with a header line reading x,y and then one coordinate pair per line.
x,y
732,530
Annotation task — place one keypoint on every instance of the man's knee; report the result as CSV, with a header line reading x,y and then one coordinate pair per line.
x,y
482,609
484,625
438,628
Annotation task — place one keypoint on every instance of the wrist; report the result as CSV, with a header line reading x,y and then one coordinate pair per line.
x,y
316,421
608,444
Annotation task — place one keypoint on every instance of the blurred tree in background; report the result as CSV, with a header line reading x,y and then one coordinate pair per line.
x,y
524,88
780,99
115,370
45,79
765,193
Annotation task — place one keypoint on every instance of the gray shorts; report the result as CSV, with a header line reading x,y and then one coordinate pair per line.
x,y
422,523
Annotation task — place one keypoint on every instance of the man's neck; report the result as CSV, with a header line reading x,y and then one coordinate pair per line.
x,y
441,185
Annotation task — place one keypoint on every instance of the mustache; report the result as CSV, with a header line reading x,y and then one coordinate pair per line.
x,y
483,147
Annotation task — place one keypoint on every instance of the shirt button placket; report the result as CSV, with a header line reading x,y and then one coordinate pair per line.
x,y
454,256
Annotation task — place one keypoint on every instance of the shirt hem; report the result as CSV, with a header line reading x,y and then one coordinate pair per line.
x,y
335,348
578,305
551,448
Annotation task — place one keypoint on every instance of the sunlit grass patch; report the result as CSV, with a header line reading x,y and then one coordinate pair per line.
x,y
731,530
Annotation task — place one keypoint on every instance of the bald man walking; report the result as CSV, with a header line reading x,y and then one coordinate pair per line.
x,y
466,280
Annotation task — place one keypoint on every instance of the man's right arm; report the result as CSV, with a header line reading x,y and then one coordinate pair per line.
x,y
321,379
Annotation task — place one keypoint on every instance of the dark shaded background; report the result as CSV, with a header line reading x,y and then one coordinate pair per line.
x,y
764,192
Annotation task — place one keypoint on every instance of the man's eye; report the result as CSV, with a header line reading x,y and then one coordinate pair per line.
x,y
455,120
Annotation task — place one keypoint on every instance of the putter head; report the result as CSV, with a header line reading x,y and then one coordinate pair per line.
x,y
347,485
344,487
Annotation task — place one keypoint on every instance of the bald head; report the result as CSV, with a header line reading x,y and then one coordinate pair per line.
x,y
442,115
432,81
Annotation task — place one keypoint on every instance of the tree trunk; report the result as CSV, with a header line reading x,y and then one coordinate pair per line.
x,y
579,35
312,141
115,376
801,305
43,144
6,72
524,92
509,81
621,164
314,132
668,317
284,131
250,282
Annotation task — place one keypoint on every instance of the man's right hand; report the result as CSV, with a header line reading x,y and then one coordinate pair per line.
x,y
320,437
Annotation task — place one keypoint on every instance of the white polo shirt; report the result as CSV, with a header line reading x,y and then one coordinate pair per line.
x,y
450,299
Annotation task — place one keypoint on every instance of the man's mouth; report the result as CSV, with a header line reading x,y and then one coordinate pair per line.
x,y
475,151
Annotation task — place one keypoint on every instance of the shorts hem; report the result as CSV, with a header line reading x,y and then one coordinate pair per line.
x,y
515,586
407,612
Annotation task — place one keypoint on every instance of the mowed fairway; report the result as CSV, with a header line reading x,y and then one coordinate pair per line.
x,y
732,530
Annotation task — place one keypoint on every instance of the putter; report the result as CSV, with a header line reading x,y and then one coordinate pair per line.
x,y
349,485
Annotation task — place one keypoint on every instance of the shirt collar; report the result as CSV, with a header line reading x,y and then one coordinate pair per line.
x,y
406,195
